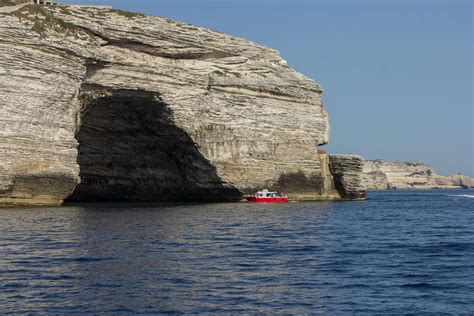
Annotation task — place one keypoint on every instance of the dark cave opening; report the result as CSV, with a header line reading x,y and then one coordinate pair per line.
x,y
131,150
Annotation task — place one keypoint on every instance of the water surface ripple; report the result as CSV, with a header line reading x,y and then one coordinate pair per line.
x,y
399,252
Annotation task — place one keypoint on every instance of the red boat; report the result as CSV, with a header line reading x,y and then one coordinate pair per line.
x,y
266,196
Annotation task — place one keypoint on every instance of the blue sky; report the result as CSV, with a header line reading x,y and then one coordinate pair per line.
x,y
397,75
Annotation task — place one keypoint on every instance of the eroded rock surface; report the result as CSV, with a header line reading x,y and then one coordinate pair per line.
x,y
145,108
347,173
381,175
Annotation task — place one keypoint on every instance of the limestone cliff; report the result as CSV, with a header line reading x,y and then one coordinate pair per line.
x,y
381,174
99,104
347,173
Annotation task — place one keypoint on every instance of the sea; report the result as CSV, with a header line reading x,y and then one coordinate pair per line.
x,y
399,252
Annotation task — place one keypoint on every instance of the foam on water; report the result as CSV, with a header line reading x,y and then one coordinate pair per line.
x,y
463,195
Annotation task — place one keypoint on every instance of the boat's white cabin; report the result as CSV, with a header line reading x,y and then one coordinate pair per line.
x,y
266,193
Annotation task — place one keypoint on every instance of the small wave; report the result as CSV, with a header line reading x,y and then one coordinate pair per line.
x,y
464,195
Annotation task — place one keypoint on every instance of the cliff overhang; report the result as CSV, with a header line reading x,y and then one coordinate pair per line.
x,y
100,104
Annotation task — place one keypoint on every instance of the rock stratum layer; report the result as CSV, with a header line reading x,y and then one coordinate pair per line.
x,y
382,175
100,104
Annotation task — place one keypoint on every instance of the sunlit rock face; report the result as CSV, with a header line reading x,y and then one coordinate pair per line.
x,y
381,175
137,107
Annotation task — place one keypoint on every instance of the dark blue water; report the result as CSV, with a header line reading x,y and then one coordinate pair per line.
x,y
399,252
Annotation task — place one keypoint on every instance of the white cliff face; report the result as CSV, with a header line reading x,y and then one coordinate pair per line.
x,y
381,175
132,106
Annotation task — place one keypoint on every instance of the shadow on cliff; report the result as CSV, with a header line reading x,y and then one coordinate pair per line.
x,y
298,182
131,150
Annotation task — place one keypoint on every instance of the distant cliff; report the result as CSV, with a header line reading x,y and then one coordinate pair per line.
x,y
381,174
101,104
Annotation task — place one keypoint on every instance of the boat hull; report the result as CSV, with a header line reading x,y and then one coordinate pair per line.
x,y
266,199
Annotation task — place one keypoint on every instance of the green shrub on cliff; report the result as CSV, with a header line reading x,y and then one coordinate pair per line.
x,y
43,20
225,72
4,3
127,14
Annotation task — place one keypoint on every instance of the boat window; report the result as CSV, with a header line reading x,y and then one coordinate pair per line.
x,y
268,194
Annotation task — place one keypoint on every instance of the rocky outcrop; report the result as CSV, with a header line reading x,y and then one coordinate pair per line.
x,y
347,173
11,3
100,104
381,175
